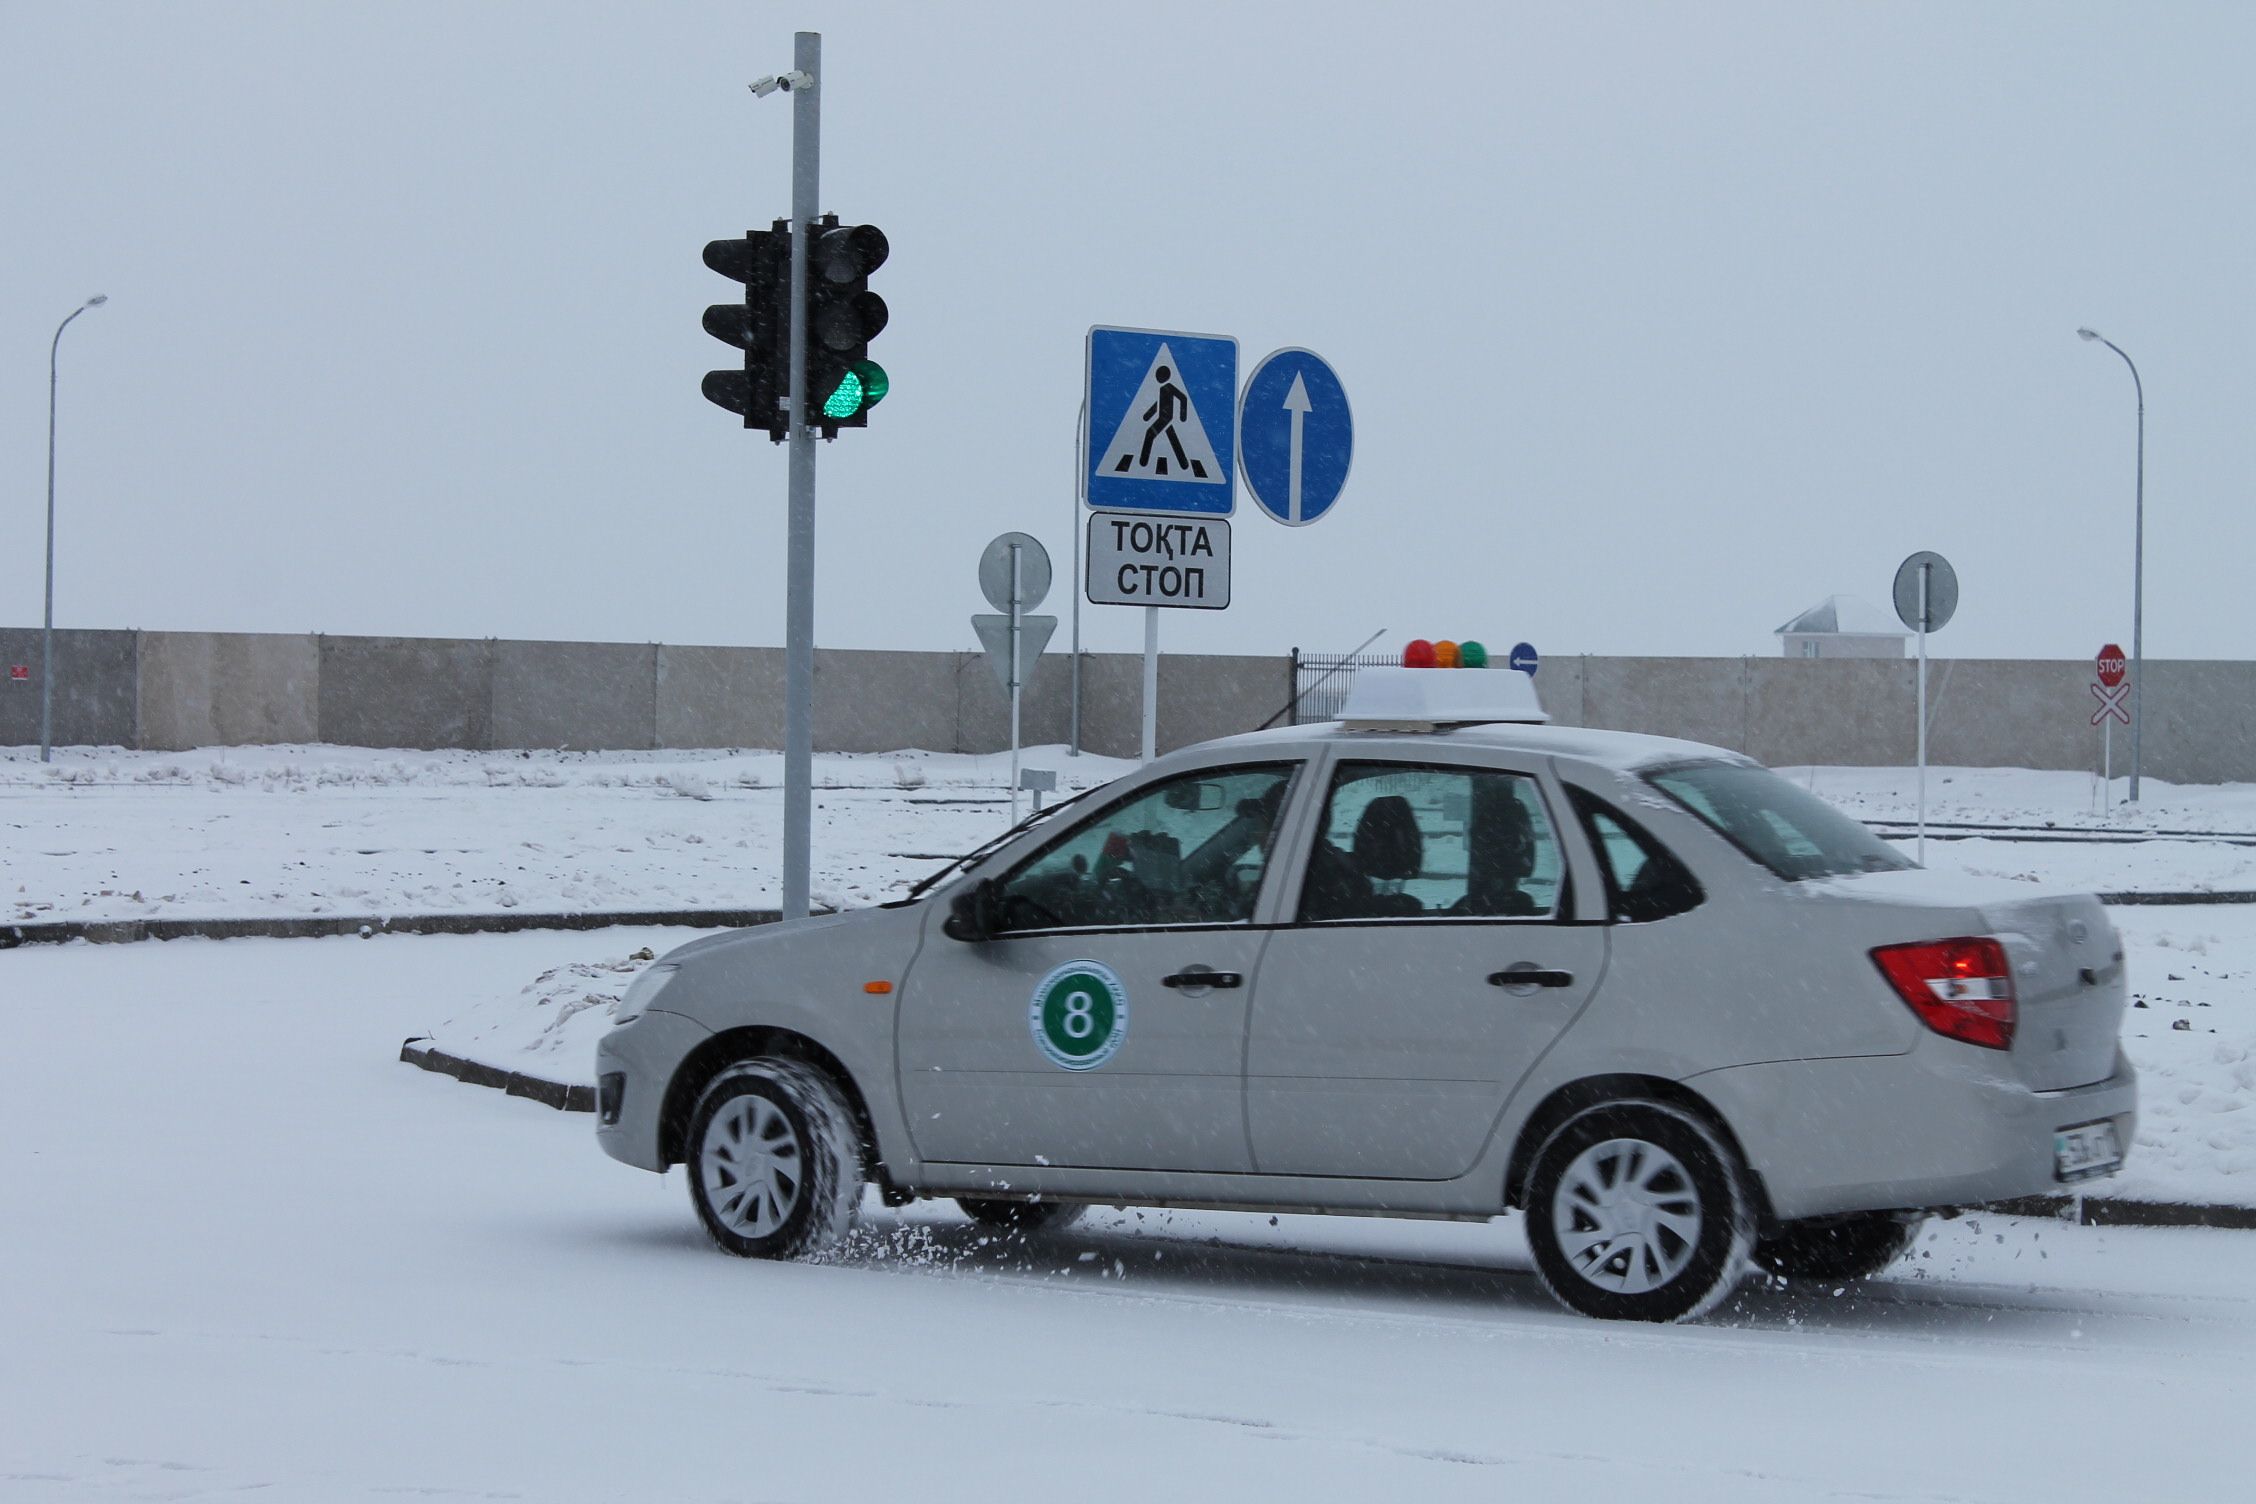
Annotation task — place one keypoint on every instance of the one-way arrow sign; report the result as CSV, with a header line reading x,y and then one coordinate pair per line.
x,y
1295,436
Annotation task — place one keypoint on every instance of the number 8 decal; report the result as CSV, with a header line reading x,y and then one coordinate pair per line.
x,y
1078,1016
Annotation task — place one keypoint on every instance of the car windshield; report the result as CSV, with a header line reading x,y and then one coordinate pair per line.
x,y
1792,832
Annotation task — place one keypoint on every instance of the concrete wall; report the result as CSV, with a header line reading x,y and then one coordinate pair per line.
x,y
576,695
405,692
227,689
97,687
175,690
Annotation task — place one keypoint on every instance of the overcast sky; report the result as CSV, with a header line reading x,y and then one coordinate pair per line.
x,y
1660,322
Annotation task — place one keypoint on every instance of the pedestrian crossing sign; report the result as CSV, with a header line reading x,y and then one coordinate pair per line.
x,y
1162,415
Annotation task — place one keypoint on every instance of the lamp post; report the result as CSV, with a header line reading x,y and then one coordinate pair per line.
x,y
2138,567
47,629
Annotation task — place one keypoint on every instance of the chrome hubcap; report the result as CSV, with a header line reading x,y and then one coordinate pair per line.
x,y
1627,1216
752,1166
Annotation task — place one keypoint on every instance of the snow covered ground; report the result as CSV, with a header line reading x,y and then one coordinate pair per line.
x,y
107,834
247,1251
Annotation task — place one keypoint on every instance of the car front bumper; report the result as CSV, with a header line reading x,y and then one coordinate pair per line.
x,y
1930,1128
644,1055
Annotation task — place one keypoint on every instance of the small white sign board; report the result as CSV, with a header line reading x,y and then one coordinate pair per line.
x,y
1140,560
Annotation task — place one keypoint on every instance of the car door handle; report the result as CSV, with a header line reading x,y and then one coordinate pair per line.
x,y
1524,975
1197,978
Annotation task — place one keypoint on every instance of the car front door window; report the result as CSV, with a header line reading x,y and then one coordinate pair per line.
x,y
1189,850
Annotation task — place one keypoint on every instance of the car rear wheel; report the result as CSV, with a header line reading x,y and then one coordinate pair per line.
x,y
1831,1249
1021,1216
775,1167
1637,1212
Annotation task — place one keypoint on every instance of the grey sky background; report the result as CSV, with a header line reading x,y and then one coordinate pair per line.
x,y
1661,322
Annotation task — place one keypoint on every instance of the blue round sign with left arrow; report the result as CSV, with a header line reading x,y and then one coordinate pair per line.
x,y
1295,436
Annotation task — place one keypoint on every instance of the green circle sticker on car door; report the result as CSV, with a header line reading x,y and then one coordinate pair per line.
x,y
1079,1015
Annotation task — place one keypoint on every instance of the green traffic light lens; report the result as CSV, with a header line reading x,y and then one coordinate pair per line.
x,y
874,384
846,400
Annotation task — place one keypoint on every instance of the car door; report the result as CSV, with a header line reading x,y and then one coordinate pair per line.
x,y
1104,1026
1432,957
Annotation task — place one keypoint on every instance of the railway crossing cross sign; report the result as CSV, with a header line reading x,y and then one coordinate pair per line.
x,y
2111,688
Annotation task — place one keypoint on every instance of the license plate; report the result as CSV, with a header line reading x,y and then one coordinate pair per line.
x,y
2085,1150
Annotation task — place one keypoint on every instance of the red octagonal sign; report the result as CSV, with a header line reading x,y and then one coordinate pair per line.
x,y
2111,665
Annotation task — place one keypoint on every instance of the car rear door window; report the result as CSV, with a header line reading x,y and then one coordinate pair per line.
x,y
1644,879
1403,842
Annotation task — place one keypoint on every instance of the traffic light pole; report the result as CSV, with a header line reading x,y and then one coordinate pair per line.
x,y
799,561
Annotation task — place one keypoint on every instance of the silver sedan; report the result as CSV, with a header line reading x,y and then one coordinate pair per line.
x,y
1685,1016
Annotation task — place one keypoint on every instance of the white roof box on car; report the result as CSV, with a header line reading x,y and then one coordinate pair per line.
x,y
1427,699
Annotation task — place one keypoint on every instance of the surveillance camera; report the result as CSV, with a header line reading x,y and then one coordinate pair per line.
x,y
762,88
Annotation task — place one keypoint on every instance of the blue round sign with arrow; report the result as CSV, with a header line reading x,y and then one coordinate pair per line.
x,y
1524,659
1295,436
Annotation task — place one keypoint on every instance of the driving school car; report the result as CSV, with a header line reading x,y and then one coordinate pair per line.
x,y
1438,958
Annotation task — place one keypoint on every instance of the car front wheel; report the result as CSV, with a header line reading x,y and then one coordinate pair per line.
x,y
1636,1212
775,1166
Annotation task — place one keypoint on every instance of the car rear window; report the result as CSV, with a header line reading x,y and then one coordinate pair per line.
x,y
1789,830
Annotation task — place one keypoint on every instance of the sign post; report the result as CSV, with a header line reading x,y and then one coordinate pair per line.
x,y
1162,441
1926,592
2110,690
1014,574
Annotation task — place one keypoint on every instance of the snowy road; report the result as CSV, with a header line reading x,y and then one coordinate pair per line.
x,y
246,1249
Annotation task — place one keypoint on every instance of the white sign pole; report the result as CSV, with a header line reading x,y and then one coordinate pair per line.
x,y
1925,571
1015,676
2107,757
1151,682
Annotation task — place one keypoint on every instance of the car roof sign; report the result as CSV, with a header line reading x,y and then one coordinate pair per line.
x,y
1426,699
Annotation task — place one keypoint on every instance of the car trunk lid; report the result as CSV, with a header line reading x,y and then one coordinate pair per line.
x,y
2069,984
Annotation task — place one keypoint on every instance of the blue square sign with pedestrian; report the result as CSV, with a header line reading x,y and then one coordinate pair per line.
x,y
1162,422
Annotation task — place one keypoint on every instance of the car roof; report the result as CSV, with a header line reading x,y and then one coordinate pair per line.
x,y
1624,751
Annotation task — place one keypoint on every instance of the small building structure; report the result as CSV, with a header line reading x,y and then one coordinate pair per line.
x,y
1844,626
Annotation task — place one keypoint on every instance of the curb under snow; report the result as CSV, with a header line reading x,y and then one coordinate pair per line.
x,y
111,931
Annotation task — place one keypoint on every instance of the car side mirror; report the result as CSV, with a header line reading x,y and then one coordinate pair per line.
x,y
976,913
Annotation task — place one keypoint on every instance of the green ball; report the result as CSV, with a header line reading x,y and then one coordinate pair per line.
x,y
1472,655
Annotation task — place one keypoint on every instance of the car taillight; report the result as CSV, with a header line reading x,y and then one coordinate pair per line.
x,y
1959,988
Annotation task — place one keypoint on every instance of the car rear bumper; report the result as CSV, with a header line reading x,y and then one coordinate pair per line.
x,y
643,1056
1934,1127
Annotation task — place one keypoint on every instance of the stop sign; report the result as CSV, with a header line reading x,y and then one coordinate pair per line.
x,y
2111,665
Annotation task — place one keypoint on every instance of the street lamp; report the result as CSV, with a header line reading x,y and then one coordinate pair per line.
x,y
47,631
2138,567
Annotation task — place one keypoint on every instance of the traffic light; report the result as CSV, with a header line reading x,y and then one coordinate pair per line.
x,y
760,326
843,316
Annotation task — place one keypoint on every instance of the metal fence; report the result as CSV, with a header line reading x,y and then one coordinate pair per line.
x,y
1321,681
